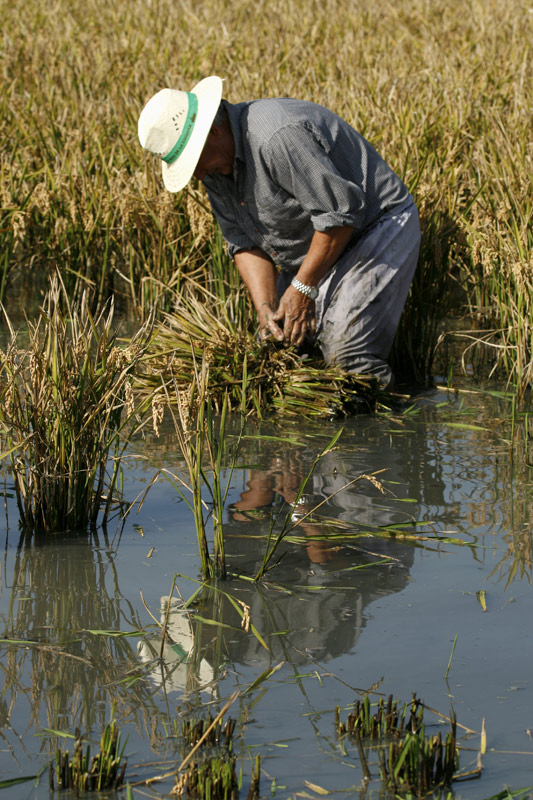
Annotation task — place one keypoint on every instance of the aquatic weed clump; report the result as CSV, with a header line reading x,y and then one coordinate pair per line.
x,y
418,763
388,720
409,760
66,412
216,778
105,770
213,732
213,773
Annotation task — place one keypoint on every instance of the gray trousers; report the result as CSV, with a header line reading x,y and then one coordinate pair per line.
x,y
361,298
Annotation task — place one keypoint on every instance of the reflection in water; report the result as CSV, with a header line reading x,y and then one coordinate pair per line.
x,y
319,602
312,606
61,591
182,667
311,615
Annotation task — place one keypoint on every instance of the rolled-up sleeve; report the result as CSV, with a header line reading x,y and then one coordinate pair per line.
x,y
301,162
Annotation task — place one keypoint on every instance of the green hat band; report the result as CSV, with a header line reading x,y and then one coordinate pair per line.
x,y
186,131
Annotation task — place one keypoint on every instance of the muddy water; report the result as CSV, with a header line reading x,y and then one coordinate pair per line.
x,y
372,594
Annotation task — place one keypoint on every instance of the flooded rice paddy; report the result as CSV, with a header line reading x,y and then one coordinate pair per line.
x,y
423,588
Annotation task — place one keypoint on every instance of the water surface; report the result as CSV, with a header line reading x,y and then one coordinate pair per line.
x,y
359,610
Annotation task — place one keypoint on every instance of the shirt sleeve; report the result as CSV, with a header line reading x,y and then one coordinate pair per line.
x,y
236,238
301,162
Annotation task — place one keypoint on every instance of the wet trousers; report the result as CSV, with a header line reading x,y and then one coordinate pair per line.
x,y
361,298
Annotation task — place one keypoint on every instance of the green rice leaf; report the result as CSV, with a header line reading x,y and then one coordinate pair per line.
x,y
18,641
263,677
9,782
62,734
115,634
464,426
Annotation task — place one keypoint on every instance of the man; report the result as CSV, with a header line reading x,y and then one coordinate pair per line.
x,y
292,184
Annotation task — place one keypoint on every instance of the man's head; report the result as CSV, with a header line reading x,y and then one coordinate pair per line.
x,y
218,154
175,125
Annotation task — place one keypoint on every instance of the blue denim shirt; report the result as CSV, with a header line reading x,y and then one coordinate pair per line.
x,y
299,168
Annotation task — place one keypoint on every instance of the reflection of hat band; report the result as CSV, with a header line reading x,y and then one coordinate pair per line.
x,y
187,129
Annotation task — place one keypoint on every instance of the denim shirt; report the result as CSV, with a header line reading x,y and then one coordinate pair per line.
x,y
299,168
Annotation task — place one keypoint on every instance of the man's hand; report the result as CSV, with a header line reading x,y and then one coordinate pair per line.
x,y
267,326
298,313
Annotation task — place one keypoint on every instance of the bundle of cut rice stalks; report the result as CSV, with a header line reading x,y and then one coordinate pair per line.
x,y
259,377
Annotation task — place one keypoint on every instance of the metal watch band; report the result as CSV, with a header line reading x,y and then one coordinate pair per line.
x,y
309,291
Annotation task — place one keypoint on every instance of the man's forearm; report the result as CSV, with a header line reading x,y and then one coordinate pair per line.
x,y
258,273
296,310
326,247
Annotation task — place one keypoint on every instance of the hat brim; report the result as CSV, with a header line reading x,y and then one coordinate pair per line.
x,y
209,93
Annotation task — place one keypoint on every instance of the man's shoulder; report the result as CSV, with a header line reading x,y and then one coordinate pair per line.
x,y
263,119
283,110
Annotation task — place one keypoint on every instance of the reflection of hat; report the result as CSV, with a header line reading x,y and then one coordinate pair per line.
x,y
177,668
174,126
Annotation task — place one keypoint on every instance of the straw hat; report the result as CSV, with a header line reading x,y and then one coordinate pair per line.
x,y
174,126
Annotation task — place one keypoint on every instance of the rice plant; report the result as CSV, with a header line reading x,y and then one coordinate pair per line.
x,y
212,731
255,377
419,763
445,95
216,778
409,760
67,412
212,774
203,442
80,772
387,720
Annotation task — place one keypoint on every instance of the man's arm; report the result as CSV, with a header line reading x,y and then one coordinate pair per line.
x,y
257,271
295,308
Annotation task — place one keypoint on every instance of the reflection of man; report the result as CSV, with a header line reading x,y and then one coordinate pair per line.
x,y
283,479
293,184
327,486
313,604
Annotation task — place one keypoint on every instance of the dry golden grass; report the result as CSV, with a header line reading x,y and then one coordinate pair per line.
x,y
443,89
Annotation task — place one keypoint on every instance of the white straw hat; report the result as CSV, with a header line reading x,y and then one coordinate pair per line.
x,y
174,126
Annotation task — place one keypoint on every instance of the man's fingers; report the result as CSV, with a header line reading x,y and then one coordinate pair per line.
x,y
271,329
297,334
276,330
297,319
295,331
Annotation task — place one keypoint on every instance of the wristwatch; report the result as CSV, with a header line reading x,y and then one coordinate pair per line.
x,y
310,291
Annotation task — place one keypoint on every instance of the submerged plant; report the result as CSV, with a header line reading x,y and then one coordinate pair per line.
x,y
211,731
105,770
67,412
409,760
419,763
213,773
387,720
214,778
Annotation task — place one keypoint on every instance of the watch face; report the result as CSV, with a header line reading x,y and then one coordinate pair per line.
x,y
313,294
